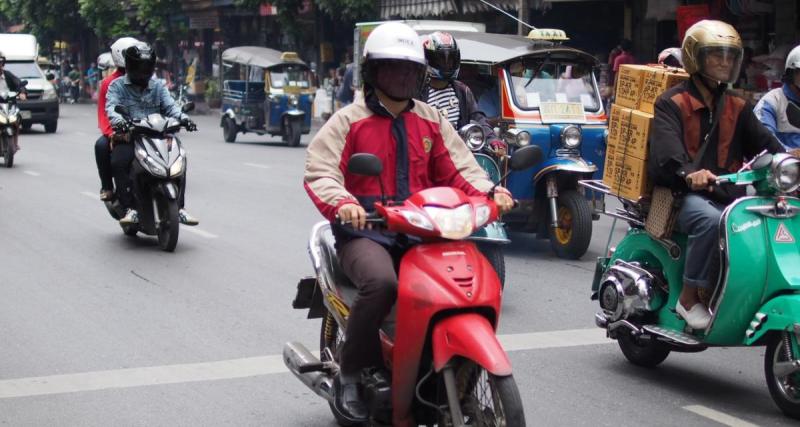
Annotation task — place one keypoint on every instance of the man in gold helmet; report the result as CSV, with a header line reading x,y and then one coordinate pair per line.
x,y
699,131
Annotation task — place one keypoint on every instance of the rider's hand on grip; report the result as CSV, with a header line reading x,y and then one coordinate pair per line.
x,y
121,127
353,214
503,200
189,124
701,180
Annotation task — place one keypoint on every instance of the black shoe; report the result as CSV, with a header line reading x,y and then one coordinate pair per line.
x,y
348,403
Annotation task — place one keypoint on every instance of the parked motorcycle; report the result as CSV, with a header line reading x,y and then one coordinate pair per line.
x,y
757,297
445,363
9,125
155,175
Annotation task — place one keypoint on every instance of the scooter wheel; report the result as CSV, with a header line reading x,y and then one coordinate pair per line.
x,y
785,390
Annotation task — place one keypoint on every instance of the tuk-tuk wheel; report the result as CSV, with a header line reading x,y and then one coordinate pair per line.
x,y
229,129
292,131
574,233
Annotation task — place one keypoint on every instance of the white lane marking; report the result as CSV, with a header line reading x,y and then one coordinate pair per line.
x,y
237,368
258,165
123,378
32,173
200,232
719,417
91,195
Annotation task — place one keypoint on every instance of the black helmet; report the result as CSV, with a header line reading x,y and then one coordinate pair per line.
x,y
140,62
442,54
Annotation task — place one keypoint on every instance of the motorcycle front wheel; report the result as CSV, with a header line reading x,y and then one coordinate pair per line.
x,y
486,400
8,151
784,389
168,223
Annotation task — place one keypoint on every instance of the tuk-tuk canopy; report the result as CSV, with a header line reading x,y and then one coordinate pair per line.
x,y
490,48
260,56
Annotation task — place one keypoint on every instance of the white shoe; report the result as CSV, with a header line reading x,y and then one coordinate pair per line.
x,y
697,318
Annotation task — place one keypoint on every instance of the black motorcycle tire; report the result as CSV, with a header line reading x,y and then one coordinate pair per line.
x,y
51,126
329,341
8,151
645,354
494,254
506,390
130,230
169,223
229,129
789,408
580,214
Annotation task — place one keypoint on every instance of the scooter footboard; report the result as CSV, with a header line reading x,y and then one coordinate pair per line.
x,y
781,313
471,336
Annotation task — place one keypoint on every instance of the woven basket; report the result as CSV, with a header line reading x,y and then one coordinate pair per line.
x,y
663,213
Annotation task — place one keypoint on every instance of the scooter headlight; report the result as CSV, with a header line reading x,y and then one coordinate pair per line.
x,y
149,163
474,136
417,220
571,137
786,173
3,119
454,224
517,137
177,167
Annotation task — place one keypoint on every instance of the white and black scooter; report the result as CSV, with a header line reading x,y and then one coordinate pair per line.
x,y
155,175
9,124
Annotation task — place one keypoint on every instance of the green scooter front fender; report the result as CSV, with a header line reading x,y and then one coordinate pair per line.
x,y
781,313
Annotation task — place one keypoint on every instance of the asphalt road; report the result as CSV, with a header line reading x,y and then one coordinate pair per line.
x,y
100,329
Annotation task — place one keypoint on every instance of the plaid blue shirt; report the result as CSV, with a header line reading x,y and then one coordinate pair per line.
x,y
155,99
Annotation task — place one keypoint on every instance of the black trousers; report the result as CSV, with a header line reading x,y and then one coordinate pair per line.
x,y
102,155
372,269
121,157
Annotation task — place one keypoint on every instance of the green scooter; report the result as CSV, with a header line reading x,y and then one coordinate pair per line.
x,y
757,298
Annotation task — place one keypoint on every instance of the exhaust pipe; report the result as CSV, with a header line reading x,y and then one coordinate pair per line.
x,y
308,369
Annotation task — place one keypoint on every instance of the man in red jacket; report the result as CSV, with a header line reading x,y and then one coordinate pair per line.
x,y
419,149
102,148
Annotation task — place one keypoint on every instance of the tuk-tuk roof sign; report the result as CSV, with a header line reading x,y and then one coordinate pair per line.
x,y
260,56
548,34
491,48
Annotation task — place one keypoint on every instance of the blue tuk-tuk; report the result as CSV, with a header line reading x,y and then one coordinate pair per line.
x,y
265,91
537,91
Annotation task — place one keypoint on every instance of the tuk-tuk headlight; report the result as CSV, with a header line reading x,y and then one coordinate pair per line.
x,y
571,137
294,101
473,135
786,173
517,137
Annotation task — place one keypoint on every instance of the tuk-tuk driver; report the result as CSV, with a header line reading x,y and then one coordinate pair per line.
x,y
419,149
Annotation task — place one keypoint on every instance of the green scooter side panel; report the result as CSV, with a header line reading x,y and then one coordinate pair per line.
x,y
783,312
639,246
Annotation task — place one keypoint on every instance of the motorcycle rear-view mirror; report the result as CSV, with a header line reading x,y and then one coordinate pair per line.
x,y
23,83
365,164
793,114
50,76
123,111
188,107
525,157
763,161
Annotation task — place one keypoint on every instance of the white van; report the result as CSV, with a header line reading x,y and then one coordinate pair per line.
x,y
21,52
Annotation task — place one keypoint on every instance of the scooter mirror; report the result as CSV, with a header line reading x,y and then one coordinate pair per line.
x,y
122,110
526,157
50,76
763,161
188,107
793,114
365,164
23,83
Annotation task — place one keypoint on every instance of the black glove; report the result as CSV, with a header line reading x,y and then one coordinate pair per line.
x,y
189,124
121,127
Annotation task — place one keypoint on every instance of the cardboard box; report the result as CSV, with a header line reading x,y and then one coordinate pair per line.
x,y
626,176
628,131
638,86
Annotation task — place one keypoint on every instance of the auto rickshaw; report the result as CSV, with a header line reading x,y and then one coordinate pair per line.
x,y
537,91
265,91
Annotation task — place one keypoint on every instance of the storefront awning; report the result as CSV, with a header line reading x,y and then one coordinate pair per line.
x,y
428,8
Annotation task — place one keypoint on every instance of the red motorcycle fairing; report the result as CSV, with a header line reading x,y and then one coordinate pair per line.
x,y
471,336
433,278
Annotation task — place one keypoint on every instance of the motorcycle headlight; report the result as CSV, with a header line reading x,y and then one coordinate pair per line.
x,y
571,137
517,137
454,224
481,215
155,168
3,119
786,173
473,135
417,220
49,93
177,167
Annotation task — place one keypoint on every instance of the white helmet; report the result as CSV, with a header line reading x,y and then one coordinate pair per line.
x,y
118,50
793,60
398,47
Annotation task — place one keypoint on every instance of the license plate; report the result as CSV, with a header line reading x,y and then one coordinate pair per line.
x,y
562,112
25,115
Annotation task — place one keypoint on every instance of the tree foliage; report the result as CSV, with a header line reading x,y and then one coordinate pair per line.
x,y
49,20
106,17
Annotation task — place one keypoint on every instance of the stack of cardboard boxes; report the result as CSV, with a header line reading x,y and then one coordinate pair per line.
x,y
638,87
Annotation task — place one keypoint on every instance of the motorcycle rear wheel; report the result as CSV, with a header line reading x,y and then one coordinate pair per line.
x,y
330,337
487,400
168,224
785,391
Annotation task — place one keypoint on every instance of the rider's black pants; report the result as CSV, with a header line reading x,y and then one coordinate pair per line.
x,y
372,269
102,155
121,157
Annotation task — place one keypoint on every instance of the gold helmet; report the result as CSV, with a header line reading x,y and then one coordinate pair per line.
x,y
713,49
